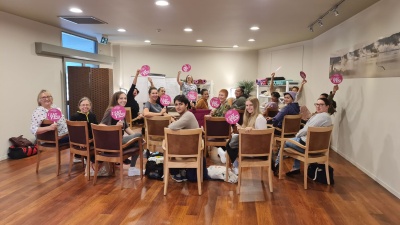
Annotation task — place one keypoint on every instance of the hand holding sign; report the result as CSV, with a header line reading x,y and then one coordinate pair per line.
x,y
215,102
165,100
232,116
192,96
118,112
186,68
336,78
145,70
54,115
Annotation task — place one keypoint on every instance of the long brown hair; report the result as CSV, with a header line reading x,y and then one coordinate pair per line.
x,y
114,99
249,120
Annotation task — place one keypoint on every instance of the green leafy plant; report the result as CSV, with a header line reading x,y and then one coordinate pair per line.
x,y
249,86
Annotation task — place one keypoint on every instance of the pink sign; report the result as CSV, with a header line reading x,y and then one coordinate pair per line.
x,y
215,102
165,100
186,68
145,70
232,116
303,75
204,81
118,112
336,78
192,95
54,115
196,81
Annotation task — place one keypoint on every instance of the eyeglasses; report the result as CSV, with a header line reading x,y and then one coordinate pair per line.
x,y
316,104
46,97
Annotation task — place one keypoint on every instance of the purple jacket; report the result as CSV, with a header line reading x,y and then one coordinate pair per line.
x,y
290,109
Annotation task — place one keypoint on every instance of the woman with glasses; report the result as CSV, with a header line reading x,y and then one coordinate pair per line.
x,y
45,103
320,119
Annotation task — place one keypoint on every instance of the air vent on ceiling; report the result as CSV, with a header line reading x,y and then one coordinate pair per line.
x,y
82,19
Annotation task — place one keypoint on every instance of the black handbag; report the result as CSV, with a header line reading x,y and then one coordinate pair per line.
x,y
317,173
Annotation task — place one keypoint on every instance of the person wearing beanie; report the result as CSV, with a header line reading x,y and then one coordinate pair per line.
x,y
291,108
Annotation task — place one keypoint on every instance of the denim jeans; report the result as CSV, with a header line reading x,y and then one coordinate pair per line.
x,y
296,164
127,138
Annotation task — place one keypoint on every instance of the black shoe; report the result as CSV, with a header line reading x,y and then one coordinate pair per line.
x,y
293,172
276,170
127,161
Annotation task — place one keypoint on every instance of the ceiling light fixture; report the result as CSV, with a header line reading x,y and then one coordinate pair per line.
x,y
254,28
333,9
251,40
147,41
188,29
121,30
75,10
162,3
236,46
199,40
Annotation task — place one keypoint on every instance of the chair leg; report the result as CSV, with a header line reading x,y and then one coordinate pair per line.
x,y
305,174
227,166
37,161
271,188
58,153
328,179
166,177
201,171
239,179
280,162
88,168
71,156
96,168
121,172
199,168
141,163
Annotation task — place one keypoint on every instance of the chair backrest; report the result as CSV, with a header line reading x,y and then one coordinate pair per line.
x,y
291,124
271,112
318,139
199,114
155,125
256,142
183,143
128,116
107,138
78,132
217,127
49,136
241,113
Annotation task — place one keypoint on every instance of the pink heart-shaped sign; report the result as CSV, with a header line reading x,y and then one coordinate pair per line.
x,y
165,100
204,81
145,70
54,114
215,102
303,75
192,95
196,81
336,78
118,112
186,68
232,116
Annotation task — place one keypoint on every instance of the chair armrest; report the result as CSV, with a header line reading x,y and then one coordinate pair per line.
x,y
90,141
270,125
164,147
293,142
132,141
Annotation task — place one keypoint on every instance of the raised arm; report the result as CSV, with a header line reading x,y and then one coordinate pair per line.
x,y
151,81
178,78
271,86
136,76
333,92
302,84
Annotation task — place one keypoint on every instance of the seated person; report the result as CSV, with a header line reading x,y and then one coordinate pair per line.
x,y
252,119
321,119
224,106
119,98
273,104
202,102
45,103
151,108
85,114
240,101
186,121
291,108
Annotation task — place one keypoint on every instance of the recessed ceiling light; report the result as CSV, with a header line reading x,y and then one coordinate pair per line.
x,y
236,46
199,40
188,29
162,3
254,28
75,10
251,40
147,41
121,30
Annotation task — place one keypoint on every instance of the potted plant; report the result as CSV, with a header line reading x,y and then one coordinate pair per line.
x,y
248,85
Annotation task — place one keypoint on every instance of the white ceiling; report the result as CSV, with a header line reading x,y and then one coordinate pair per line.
x,y
219,23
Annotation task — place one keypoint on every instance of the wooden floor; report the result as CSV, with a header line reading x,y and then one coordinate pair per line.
x,y
44,198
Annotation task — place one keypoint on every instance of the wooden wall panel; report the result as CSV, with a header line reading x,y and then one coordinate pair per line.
x,y
78,86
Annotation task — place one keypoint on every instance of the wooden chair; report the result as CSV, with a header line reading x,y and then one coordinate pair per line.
x,y
155,130
199,114
108,148
183,149
290,127
48,141
271,112
128,117
316,150
79,143
217,131
254,147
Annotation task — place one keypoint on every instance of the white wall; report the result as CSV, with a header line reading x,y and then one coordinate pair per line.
x,y
24,74
224,67
366,129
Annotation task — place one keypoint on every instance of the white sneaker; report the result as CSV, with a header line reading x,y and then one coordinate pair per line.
x,y
235,170
133,171
221,154
77,160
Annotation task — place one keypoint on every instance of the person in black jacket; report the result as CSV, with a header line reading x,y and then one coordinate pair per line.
x,y
132,103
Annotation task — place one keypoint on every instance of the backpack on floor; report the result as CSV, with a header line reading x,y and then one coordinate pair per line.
x,y
21,152
317,172
155,166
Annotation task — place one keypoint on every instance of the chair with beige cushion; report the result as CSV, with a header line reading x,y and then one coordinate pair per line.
x,y
316,150
155,130
217,131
